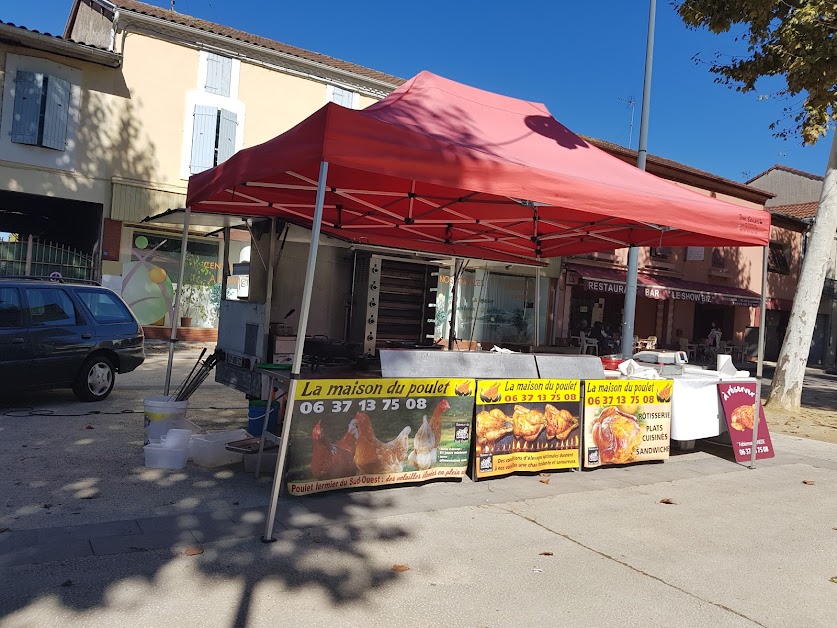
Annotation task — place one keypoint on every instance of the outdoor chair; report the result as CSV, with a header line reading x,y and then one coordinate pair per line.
x,y
588,343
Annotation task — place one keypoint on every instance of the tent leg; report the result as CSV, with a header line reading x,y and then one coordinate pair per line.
x,y
296,366
225,272
760,363
184,242
453,298
537,307
630,303
268,299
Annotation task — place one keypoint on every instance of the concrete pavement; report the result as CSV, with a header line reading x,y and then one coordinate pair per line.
x,y
738,547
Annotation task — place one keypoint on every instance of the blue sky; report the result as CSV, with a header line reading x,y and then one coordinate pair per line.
x,y
583,59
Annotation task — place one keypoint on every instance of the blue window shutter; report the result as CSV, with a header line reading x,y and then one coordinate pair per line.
x,y
204,129
218,74
56,113
27,107
227,126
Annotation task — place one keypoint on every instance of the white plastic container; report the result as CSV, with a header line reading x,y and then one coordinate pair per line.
x,y
163,414
177,438
159,457
208,450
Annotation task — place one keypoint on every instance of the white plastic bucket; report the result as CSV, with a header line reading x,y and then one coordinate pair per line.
x,y
162,414
159,457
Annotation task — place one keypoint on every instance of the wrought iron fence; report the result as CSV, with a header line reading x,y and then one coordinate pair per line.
x,y
44,259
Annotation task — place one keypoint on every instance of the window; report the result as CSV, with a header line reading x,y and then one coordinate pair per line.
x,y
218,74
10,313
41,109
661,252
213,137
718,260
104,307
777,259
342,96
51,307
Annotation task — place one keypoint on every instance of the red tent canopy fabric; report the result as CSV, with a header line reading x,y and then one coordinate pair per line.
x,y
445,168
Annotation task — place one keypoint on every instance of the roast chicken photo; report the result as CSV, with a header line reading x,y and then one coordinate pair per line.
x,y
527,423
374,456
492,425
742,418
617,435
559,423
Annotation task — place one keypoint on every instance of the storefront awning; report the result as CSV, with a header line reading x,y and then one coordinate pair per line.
x,y
612,281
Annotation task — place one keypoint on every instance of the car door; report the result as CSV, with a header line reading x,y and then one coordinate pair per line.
x,y
15,345
61,335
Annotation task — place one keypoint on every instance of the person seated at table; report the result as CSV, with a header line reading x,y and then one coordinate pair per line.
x,y
605,343
713,340
581,328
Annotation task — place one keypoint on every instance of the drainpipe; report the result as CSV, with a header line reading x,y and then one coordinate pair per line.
x,y
112,44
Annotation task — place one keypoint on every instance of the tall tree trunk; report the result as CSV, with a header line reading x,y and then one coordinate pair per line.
x,y
786,389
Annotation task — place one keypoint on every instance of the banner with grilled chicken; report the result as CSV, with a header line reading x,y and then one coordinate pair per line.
x,y
374,432
526,425
626,420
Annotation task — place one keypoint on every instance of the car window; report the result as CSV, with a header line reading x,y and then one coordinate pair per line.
x,y
10,312
104,307
50,306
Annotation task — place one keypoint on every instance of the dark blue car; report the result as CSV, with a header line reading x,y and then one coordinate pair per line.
x,y
61,334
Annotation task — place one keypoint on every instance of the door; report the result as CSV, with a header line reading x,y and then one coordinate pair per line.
x,y
15,346
61,336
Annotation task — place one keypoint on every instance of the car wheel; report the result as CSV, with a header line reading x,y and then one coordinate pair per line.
x,y
95,379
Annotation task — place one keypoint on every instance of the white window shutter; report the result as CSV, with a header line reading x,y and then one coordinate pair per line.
x,y
56,113
342,96
227,128
27,107
204,132
218,74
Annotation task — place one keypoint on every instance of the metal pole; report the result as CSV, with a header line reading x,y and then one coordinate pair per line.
x,y
297,362
760,363
268,299
29,256
537,307
184,242
453,296
225,271
642,151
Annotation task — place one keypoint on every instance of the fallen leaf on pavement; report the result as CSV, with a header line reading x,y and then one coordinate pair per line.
x,y
546,554
400,568
47,506
67,583
193,551
834,580
2,530
88,427
544,480
668,500
808,482
537,569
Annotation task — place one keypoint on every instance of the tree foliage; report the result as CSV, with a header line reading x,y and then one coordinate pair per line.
x,y
790,38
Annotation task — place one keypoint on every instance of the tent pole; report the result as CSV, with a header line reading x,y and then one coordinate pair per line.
x,y
296,366
268,298
642,152
184,242
537,307
453,297
760,363
225,271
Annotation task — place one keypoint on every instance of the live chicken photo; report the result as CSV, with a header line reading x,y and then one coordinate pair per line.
x,y
349,433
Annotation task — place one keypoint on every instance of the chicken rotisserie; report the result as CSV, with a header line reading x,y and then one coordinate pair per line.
x,y
617,435
527,423
559,423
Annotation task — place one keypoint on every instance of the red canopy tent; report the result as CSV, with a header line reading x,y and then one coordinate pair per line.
x,y
444,168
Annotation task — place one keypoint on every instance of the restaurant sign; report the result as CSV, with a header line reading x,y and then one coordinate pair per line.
x,y
374,432
663,293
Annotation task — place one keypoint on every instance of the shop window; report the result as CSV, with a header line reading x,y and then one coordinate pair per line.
x,y
662,253
778,260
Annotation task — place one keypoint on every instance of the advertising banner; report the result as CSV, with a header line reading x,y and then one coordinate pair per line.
x,y
372,432
526,425
737,401
626,420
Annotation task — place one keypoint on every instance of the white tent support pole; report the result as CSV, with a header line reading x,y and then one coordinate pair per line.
x,y
296,366
453,297
760,363
268,299
225,269
175,317
537,307
630,303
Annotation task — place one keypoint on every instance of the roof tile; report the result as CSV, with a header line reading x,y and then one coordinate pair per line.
x,y
798,210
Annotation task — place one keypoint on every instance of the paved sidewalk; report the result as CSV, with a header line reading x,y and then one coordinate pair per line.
x,y
177,532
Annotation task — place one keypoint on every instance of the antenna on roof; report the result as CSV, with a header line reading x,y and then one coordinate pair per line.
x,y
632,104
171,8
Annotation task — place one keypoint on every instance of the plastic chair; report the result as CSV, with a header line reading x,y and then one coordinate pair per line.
x,y
689,349
651,342
588,343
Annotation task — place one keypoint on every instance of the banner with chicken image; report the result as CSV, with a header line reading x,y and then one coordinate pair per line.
x,y
626,420
526,425
374,432
738,400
